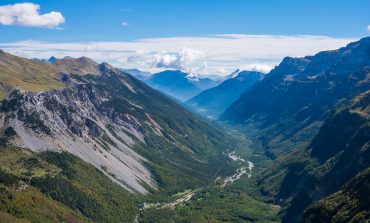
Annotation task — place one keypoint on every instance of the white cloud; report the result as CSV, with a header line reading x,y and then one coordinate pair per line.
x,y
177,60
91,48
27,14
182,59
219,54
124,23
263,68
368,28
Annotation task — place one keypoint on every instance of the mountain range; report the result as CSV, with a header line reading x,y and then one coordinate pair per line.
x,y
137,137
141,75
302,91
82,141
178,84
214,101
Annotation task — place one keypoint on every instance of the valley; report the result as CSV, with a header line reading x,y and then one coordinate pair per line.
x,y
236,194
182,198
88,142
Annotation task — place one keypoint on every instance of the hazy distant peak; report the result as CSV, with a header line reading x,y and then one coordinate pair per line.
x,y
193,77
52,59
141,75
234,74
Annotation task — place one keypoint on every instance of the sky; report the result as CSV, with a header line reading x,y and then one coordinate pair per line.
x,y
197,36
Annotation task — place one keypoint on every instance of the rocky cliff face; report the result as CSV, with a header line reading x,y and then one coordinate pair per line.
x,y
105,119
76,120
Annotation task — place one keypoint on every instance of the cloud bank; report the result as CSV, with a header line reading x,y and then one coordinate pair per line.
x,y
27,14
216,55
180,60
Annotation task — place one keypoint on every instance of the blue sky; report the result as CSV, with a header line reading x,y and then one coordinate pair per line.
x,y
96,20
94,23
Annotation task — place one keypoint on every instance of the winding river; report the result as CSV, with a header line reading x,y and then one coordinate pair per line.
x,y
239,172
188,194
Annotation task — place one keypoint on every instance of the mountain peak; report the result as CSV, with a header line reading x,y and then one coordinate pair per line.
x,y
106,67
52,59
82,65
234,74
242,73
174,83
291,65
192,76
179,72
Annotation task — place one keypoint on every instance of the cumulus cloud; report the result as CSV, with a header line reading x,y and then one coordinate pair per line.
x,y
263,68
368,28
177,60
214,55
27,14
182,59
124,23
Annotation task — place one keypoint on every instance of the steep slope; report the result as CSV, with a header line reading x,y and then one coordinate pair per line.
x,y
141,75
213,102
58,187
290,104
27,74
338,152
140,138
350,204
173,83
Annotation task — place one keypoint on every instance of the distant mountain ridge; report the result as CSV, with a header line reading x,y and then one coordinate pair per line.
x,y
50,60
178,84
214,101
203,82
141,75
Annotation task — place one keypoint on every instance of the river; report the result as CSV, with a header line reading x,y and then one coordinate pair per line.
x,y
188,194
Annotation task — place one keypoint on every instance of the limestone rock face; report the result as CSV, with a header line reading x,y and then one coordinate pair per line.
x,y
75,120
